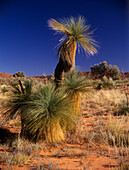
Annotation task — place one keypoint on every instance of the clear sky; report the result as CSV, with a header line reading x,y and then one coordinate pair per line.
x,y
27,44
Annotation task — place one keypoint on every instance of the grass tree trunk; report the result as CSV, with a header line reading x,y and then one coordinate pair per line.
x,y
67,61
72,54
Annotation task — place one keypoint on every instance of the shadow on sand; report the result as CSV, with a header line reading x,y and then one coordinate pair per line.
x,y
6,137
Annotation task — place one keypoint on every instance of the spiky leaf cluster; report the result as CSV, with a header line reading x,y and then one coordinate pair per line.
x,y
48,110
75,30
74,83
20,94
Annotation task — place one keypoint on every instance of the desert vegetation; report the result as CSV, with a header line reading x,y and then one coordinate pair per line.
x,y
41,124
76,34
102,69
68,120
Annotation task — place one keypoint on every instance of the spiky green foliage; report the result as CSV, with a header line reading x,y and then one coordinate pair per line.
x,y
46,115
74,83
75,30
20,94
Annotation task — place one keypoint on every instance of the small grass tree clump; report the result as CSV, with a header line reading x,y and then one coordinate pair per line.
x,y
74,85
17,99
46,115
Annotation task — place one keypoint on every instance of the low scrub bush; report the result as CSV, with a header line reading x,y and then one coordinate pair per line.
x,y
102,69
22,151
123,108
14,159
108,83
113,133
24,146
116,134
124,105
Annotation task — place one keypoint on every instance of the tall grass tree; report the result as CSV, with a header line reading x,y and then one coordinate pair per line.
x,y
76,34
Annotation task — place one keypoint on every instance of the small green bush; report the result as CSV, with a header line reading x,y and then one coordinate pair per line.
x,y
108,83
102,69
123,108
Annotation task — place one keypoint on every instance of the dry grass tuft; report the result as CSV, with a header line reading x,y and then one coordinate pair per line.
x,y
22,152
113,96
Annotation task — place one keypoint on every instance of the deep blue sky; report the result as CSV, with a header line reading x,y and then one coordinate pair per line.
x,y
27,44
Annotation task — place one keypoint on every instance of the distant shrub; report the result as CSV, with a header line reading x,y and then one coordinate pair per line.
x,y
108,83
104,83
114,72
100,70
97,84
19,74
124,106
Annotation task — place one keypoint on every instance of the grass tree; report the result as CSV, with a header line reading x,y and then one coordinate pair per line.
x,y
75,84
20,94
76,34
46,116
44,111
